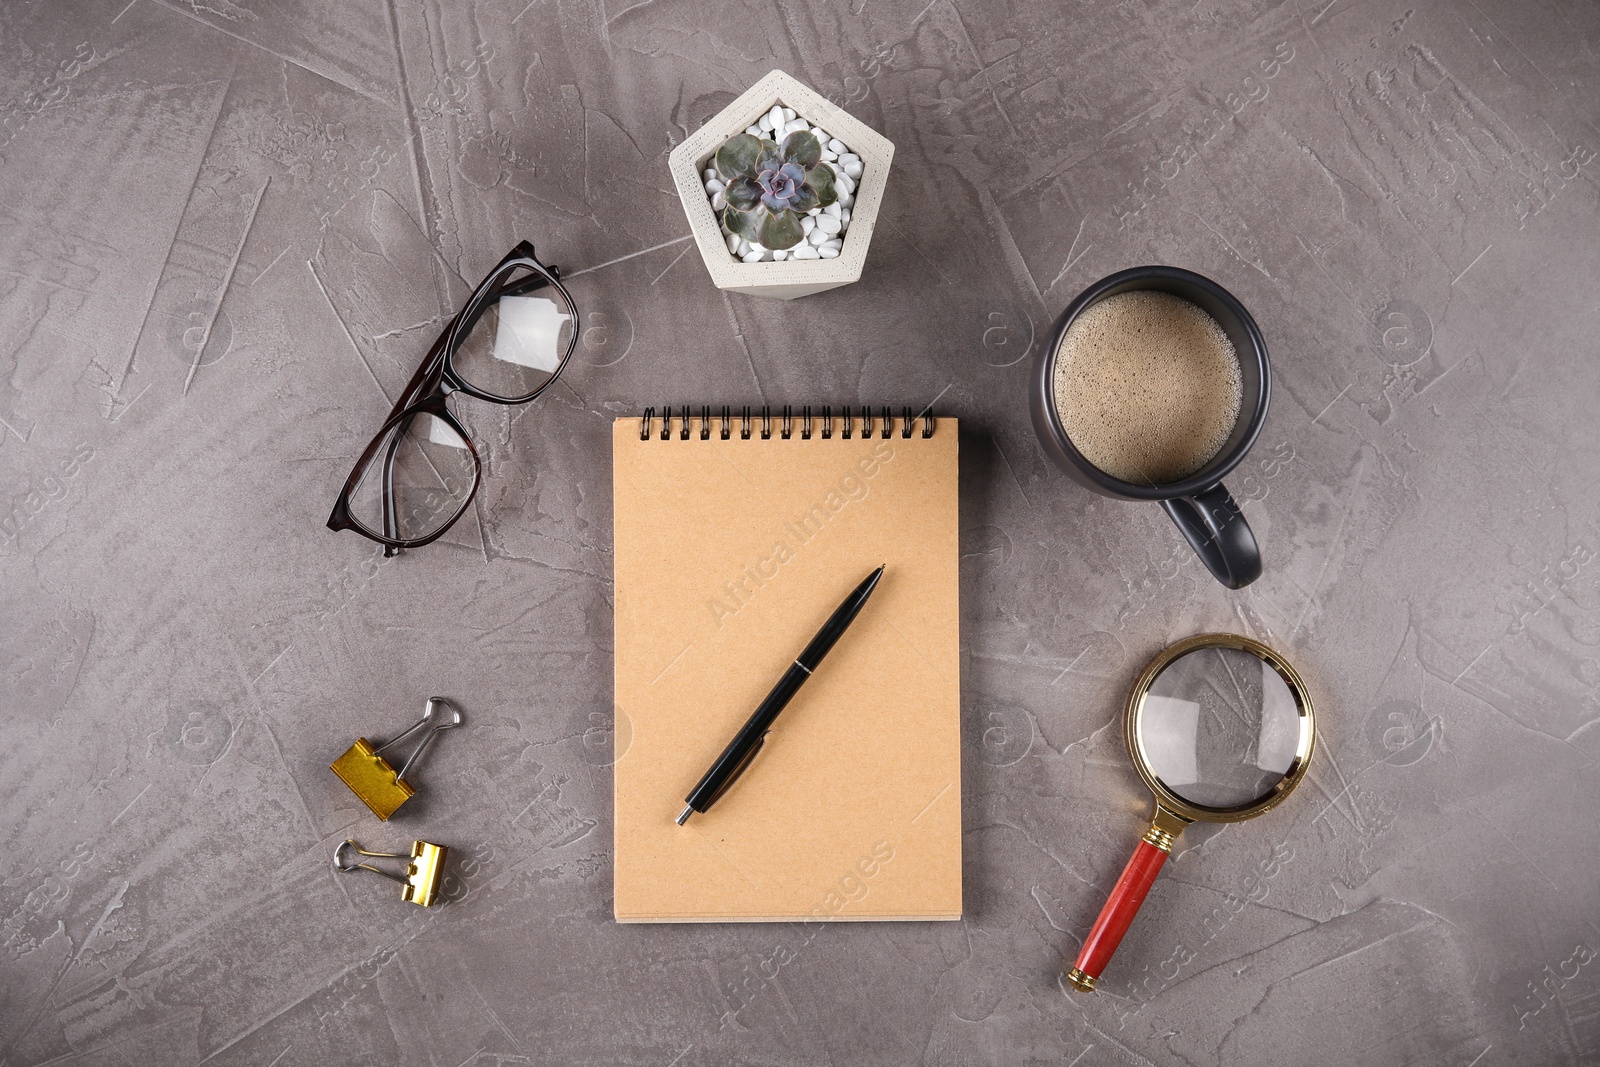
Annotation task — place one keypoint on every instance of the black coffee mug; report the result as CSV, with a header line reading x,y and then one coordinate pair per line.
x,y
1207,516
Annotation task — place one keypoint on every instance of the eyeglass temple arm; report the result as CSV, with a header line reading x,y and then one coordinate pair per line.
x,y
391,519
529,284
422,383
524,250
426,380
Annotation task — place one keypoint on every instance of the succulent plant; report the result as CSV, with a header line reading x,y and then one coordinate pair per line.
x,y
769,186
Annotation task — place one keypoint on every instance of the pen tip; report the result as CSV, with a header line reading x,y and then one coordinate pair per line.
x,y
683,817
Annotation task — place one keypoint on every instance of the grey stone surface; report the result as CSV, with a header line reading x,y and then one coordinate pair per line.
x,y
229,231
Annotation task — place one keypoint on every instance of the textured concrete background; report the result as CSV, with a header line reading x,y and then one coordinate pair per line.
x,y
229,230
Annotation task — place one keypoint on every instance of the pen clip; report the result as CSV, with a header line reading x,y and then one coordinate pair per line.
x,y
733,776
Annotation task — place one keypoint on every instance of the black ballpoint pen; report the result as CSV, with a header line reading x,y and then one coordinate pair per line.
x,y
742,749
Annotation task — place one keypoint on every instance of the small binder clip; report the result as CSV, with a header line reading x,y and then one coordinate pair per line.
x,y
369,775
423,873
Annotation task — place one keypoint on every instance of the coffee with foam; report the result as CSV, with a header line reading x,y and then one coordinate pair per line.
x,y
1147,386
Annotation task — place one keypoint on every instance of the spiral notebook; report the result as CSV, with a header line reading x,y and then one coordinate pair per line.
x,y
737,534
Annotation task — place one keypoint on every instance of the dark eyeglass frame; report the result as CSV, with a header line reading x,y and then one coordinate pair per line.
x,y
433,383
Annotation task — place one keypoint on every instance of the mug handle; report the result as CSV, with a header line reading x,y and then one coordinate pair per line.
x,y
1215,528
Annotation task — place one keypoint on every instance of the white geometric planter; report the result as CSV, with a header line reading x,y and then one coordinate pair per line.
x,y
790,278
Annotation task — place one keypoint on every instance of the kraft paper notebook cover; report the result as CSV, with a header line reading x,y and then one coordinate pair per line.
x,y
731,551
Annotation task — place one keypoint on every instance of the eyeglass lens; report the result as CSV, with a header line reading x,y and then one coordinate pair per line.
x,y
429,470
515,345
1219,727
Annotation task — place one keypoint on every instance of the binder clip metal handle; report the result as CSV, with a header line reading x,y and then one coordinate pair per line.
x,y
434,721
423,874
370,777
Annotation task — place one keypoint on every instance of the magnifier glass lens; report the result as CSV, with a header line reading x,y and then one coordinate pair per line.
x,y
1219,727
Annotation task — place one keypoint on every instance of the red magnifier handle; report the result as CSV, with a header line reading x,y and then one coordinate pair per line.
x,y
1117,915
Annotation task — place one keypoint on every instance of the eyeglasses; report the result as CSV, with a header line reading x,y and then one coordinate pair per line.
x,y
506,345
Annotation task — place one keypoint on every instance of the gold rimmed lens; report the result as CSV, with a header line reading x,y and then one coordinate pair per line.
x,y
1220,727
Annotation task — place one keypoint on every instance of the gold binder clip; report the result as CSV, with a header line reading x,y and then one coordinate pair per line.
x,y
421,883
369,776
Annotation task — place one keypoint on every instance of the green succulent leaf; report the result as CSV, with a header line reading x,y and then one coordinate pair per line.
x,y
738,156
743,194
771,157
820,180
780,230
802,147
746,224
805,200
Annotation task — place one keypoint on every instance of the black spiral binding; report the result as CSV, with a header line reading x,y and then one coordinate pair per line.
x,y
869,423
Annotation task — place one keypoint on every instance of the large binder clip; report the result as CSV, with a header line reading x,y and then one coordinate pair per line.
x,y
423,874
369,775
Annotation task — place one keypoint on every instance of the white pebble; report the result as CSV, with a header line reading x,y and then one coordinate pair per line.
x,y
845,183
765,124
776,117
788,114
753,131
828,224
807,224
744,246
794,127
833,209
758,246
806,252
818,236
829,251
780,255
851,167
814,212
733,243
837,146
846,198
715,185
844,216
848,155
822,135
827,156
752,256
719,200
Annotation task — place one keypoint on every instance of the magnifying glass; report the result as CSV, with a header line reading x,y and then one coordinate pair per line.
x,y
1221,729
